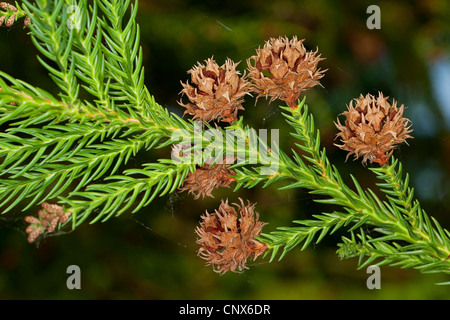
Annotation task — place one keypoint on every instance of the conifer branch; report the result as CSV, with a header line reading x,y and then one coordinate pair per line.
x,y
54,40
123,55
398,220
135,189
71,149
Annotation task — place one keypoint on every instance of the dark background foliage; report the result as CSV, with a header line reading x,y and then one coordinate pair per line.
x,y
152,255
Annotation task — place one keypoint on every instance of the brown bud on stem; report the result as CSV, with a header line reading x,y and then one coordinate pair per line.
x,y
216,92
372,129
283,69
228,237
206,178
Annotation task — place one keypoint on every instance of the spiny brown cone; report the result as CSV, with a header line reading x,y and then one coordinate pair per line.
x,y
283,69
48,220
228,237
373,127
206,178
216,92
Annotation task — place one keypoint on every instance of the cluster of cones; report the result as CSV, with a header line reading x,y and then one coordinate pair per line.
x,y
46,222
282,70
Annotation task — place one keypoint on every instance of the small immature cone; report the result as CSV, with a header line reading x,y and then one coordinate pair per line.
x,y
228,237
216,92
4,6
10,21
372,129
53,208
206,178
283,69
27,22
34,233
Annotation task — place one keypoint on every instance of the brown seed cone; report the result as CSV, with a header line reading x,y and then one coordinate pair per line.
x,y
206,178
283,69
373,127
228,237
216,93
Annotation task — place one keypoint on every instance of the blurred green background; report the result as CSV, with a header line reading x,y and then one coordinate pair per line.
x,y
152,255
